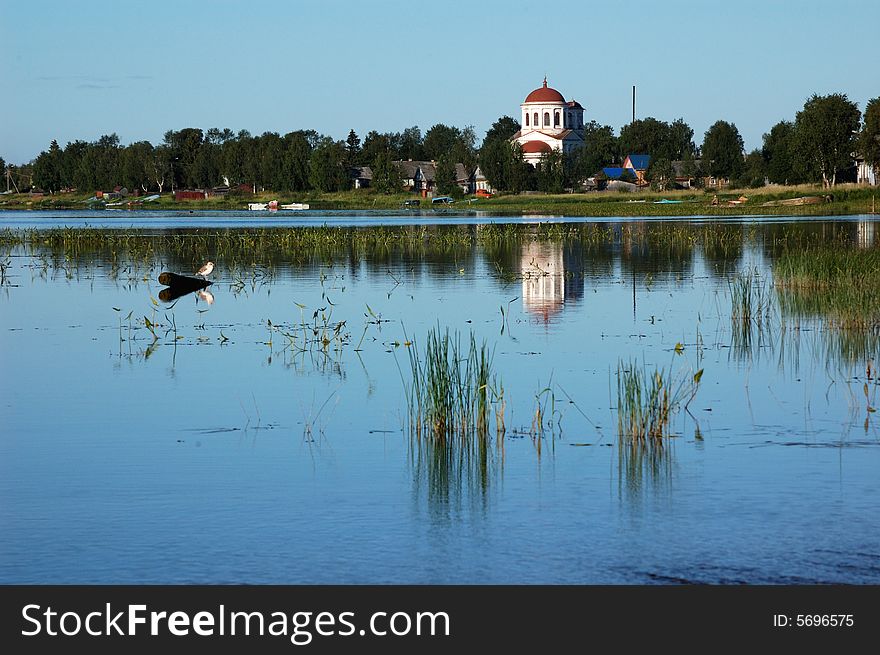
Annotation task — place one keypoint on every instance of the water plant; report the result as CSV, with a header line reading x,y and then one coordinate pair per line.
x,y
452,388
647,400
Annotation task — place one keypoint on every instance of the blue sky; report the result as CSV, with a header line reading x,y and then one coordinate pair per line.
x,y
76,70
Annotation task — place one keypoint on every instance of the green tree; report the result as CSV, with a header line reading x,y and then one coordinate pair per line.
x,y
70,163
409,144
440,140
160,166
298,151
723,150
444,176
661,174
353,147
869,139
600,149
136,164
48,168
646,136
205,171
754,173
824,136
386,174
376,144
327,166
502,129
777,154
184,145
681,140
551,171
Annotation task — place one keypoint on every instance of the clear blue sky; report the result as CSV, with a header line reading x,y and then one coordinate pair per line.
x,y
76,70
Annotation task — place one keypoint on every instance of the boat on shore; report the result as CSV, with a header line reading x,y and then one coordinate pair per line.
x,y
258,206
296,206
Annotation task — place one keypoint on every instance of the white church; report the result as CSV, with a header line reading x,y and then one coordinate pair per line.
x,y
549,123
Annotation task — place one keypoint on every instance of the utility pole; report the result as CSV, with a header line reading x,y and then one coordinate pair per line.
x,y
634,103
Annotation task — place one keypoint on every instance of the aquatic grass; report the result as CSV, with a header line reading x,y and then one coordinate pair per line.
x,y
647,400
452,388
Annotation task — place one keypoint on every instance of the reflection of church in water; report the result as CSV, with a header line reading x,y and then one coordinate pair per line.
x,y
551,276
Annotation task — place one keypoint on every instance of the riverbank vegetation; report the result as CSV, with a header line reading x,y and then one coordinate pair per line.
x,y
845,199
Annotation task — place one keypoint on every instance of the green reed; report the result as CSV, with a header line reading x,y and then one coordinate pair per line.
x,y
452,389
648,399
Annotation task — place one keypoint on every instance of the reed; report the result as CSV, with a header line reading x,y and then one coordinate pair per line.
x,y
648,399
452,389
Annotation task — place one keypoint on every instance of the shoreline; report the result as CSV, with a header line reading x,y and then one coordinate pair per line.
x,y
767,201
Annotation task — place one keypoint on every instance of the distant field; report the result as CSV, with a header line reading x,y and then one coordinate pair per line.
x,y
844,199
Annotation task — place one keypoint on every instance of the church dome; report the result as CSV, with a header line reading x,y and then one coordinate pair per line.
x,y
545,94
536,146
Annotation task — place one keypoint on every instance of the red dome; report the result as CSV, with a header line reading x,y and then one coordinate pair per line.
x,y
536,146
545,94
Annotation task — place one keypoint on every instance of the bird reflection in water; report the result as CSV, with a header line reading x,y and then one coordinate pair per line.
x,y
205,295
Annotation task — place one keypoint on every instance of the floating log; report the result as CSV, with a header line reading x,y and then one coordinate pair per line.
x,y
179,285
183,281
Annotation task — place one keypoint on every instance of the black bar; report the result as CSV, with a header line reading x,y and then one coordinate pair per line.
x,y
520,619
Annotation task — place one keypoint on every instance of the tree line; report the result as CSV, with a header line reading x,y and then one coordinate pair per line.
x,y
817,145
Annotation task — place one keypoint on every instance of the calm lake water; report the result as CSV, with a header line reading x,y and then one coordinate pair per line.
x,y
238,446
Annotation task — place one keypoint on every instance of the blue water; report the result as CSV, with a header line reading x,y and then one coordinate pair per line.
x,y
221,454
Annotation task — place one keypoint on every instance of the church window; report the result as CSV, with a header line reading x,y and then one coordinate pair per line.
x,y
535,122
546,119
555,119
527,119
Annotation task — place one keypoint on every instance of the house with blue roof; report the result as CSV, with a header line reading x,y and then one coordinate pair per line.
x,y
638,165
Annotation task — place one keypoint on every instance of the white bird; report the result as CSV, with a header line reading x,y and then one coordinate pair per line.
x,y
205,270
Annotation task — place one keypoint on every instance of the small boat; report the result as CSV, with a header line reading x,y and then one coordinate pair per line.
x,y
444,200
296,206
257,206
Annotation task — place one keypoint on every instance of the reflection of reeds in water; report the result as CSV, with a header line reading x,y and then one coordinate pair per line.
x,y
646,403
839,287
452,396
750,314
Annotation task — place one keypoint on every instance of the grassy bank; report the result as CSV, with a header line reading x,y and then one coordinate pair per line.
x,y
844,199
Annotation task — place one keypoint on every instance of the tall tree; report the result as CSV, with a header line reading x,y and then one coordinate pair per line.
x,y
184,145
825,134
869,139
136,164
754,173
551,171
504,128
410,144
645,136
297,153
386,174
681,140
600,149
353,147
445,175
661,174
777,154
723,150
48,168
326,167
